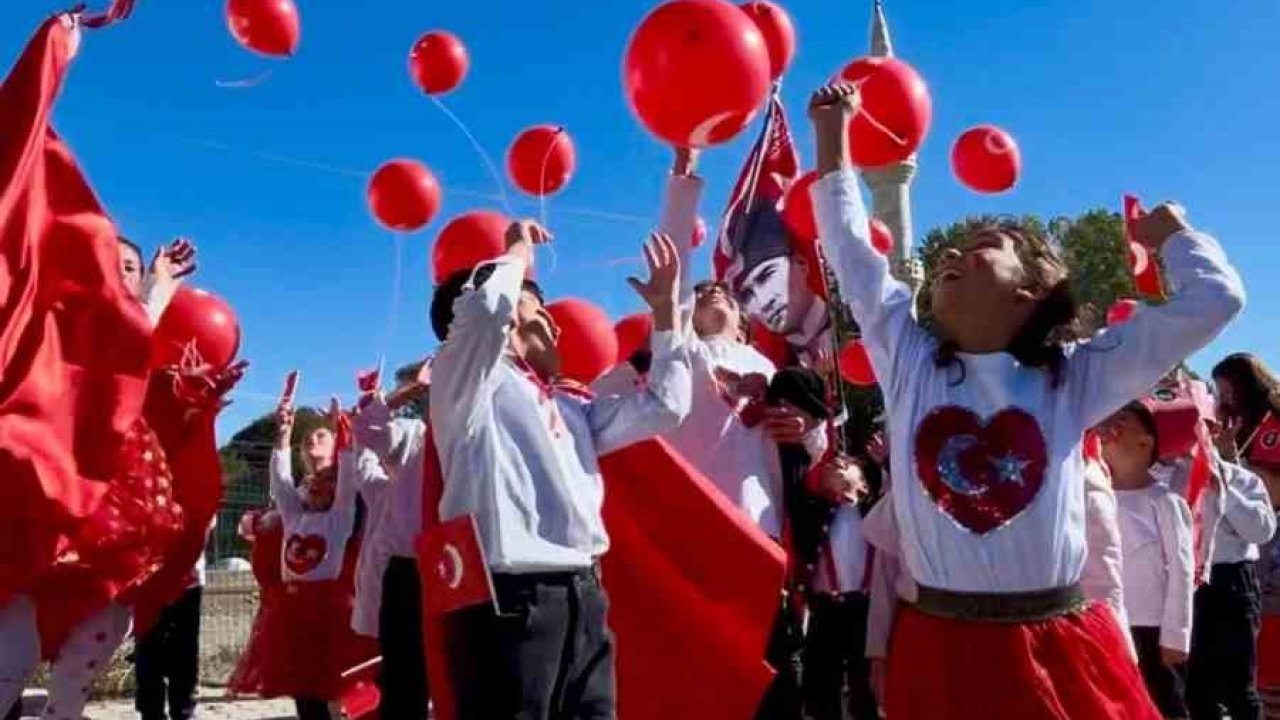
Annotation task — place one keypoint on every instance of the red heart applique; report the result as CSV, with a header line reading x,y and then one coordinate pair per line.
x,y
981,474
304,553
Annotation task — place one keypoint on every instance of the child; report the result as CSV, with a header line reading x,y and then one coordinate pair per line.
x,y
989,417
1159,567
302,639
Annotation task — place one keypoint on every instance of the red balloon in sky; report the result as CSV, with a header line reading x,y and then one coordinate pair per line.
x,y
270,27
438,62
896,111
403,195
1121,311
468,240
541,159
985,159
587,344
696,72
778,32
196,327
797,207
633,333
699,231
855,364
881,237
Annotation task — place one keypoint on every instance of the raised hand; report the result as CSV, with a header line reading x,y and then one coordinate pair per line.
x,y
686,161
523,235
1161,223
659,293
171,264
831,108
284,423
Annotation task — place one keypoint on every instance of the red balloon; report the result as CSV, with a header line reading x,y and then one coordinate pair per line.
x,y
896,111
403,195
778,33
468,240
797,207
438,62
268,26
196,327
699,231
881,237
541,159
633,333
696,72
587,344
1122,311
985,159
855,365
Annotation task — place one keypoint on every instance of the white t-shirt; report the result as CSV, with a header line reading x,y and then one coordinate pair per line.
x,y
314,542
990,491
1155,531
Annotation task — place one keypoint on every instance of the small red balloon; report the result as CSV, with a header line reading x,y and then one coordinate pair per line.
x,y
896,111
541,160
438,62
696,72
468,240
881,237
797,207
778,32
985,159
699,231
196,327
587,344
633,333
403,195
1121,311
855,364
270,27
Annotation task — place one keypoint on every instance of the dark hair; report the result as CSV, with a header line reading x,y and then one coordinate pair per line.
x,y
1055,319
448,292
132,246
1256,390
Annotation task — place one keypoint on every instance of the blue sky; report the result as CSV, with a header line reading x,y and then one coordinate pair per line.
x,y
1172,100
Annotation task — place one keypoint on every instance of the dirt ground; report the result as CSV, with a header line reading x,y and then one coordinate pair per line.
x,y
212,709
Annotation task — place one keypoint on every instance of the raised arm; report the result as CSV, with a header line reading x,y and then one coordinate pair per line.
x,y
880,304
1128,360
284,493
1175,538
478,334
395,441
680,217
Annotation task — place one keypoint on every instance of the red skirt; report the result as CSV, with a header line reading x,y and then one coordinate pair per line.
x,y
1073,667
301,643
1269,652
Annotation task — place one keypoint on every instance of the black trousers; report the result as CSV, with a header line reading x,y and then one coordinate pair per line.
x,y
1224,654
783,699
547,654
15,712
167,661
312,709
403,678
1164,684
835,658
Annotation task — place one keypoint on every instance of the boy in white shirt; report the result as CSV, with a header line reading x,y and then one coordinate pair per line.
x,y
1159,564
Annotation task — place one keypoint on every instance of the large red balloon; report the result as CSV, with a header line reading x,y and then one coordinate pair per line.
x,y
896,111
986,159
633,333
438,62
881,237
778,33
587,344
1121,312
403,195
541,159
855,365
797,207
696,72
196,327
268,26
468,240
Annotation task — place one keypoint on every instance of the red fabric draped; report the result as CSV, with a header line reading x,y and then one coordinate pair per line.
x,y
73,343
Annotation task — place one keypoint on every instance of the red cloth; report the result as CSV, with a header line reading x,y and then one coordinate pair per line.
x,y
1073,667
693,591
1269,653
73,343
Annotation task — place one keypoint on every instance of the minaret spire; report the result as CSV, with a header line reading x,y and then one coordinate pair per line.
x,y
881,44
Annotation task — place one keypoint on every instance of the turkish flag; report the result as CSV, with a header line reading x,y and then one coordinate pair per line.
x,y
455,574
359,696
1142,263
74,344
1265,447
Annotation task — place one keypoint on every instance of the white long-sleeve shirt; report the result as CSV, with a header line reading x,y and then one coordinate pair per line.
x,y
314,542
374,486
990,494
1159,564
1102,577
398,443
1239,512
524,458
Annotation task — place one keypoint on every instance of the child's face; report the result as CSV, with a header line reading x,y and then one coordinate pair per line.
x,y
320,489
1126,440
982,277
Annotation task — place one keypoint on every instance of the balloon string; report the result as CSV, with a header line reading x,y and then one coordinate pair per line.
x,y
249,82
871,119
393,311
484,156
